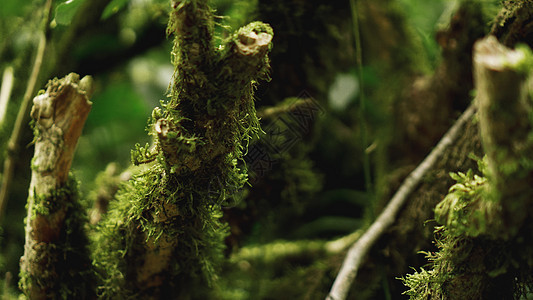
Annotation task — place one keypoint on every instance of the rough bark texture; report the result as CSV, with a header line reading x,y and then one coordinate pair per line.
x,y
427,98
513,24
162,237
483,248
445,91
56,262
510,27
505,125
423,111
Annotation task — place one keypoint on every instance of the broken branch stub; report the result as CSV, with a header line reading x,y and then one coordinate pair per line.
x,y
505,124
55,247
59,115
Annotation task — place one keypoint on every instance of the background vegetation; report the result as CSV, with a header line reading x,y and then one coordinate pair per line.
x,y
316,180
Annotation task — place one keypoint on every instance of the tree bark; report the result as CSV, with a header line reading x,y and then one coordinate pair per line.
x,y
360,249
505,126
56,262
486,222
163,231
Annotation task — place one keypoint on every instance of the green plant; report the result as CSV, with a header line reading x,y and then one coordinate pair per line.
x,y
164,230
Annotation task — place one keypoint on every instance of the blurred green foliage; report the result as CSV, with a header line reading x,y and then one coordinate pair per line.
x,y
113,7
296,202
14,8
65,11
117,121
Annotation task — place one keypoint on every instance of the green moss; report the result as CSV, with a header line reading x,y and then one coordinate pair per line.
x,y
421,284
484,241
471,268
480,254
142,213
59,198
163,236
522,60
467,210
61,266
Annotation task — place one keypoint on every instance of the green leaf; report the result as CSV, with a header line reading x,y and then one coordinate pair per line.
x,y
113,7
12,8
455,176
66,11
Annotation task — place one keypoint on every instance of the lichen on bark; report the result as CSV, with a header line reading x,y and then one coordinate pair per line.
x,y
162,236
56,262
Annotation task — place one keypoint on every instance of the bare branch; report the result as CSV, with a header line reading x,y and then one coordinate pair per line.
x,y
358,251
5,91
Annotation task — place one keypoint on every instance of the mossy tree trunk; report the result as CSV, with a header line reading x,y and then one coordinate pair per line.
x,y
413,232
484,241
422,107
486,221
56,262
162,237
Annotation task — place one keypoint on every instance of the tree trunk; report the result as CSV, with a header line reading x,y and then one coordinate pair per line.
x,y
162,237
486,221
56,262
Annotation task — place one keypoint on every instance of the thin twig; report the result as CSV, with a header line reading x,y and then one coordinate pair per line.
x,y
23,113
358,251
5,91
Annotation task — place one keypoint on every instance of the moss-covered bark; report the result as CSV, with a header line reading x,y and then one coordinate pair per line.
x,y
162,236
421,105
423,110
512,24
56,263
484,249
